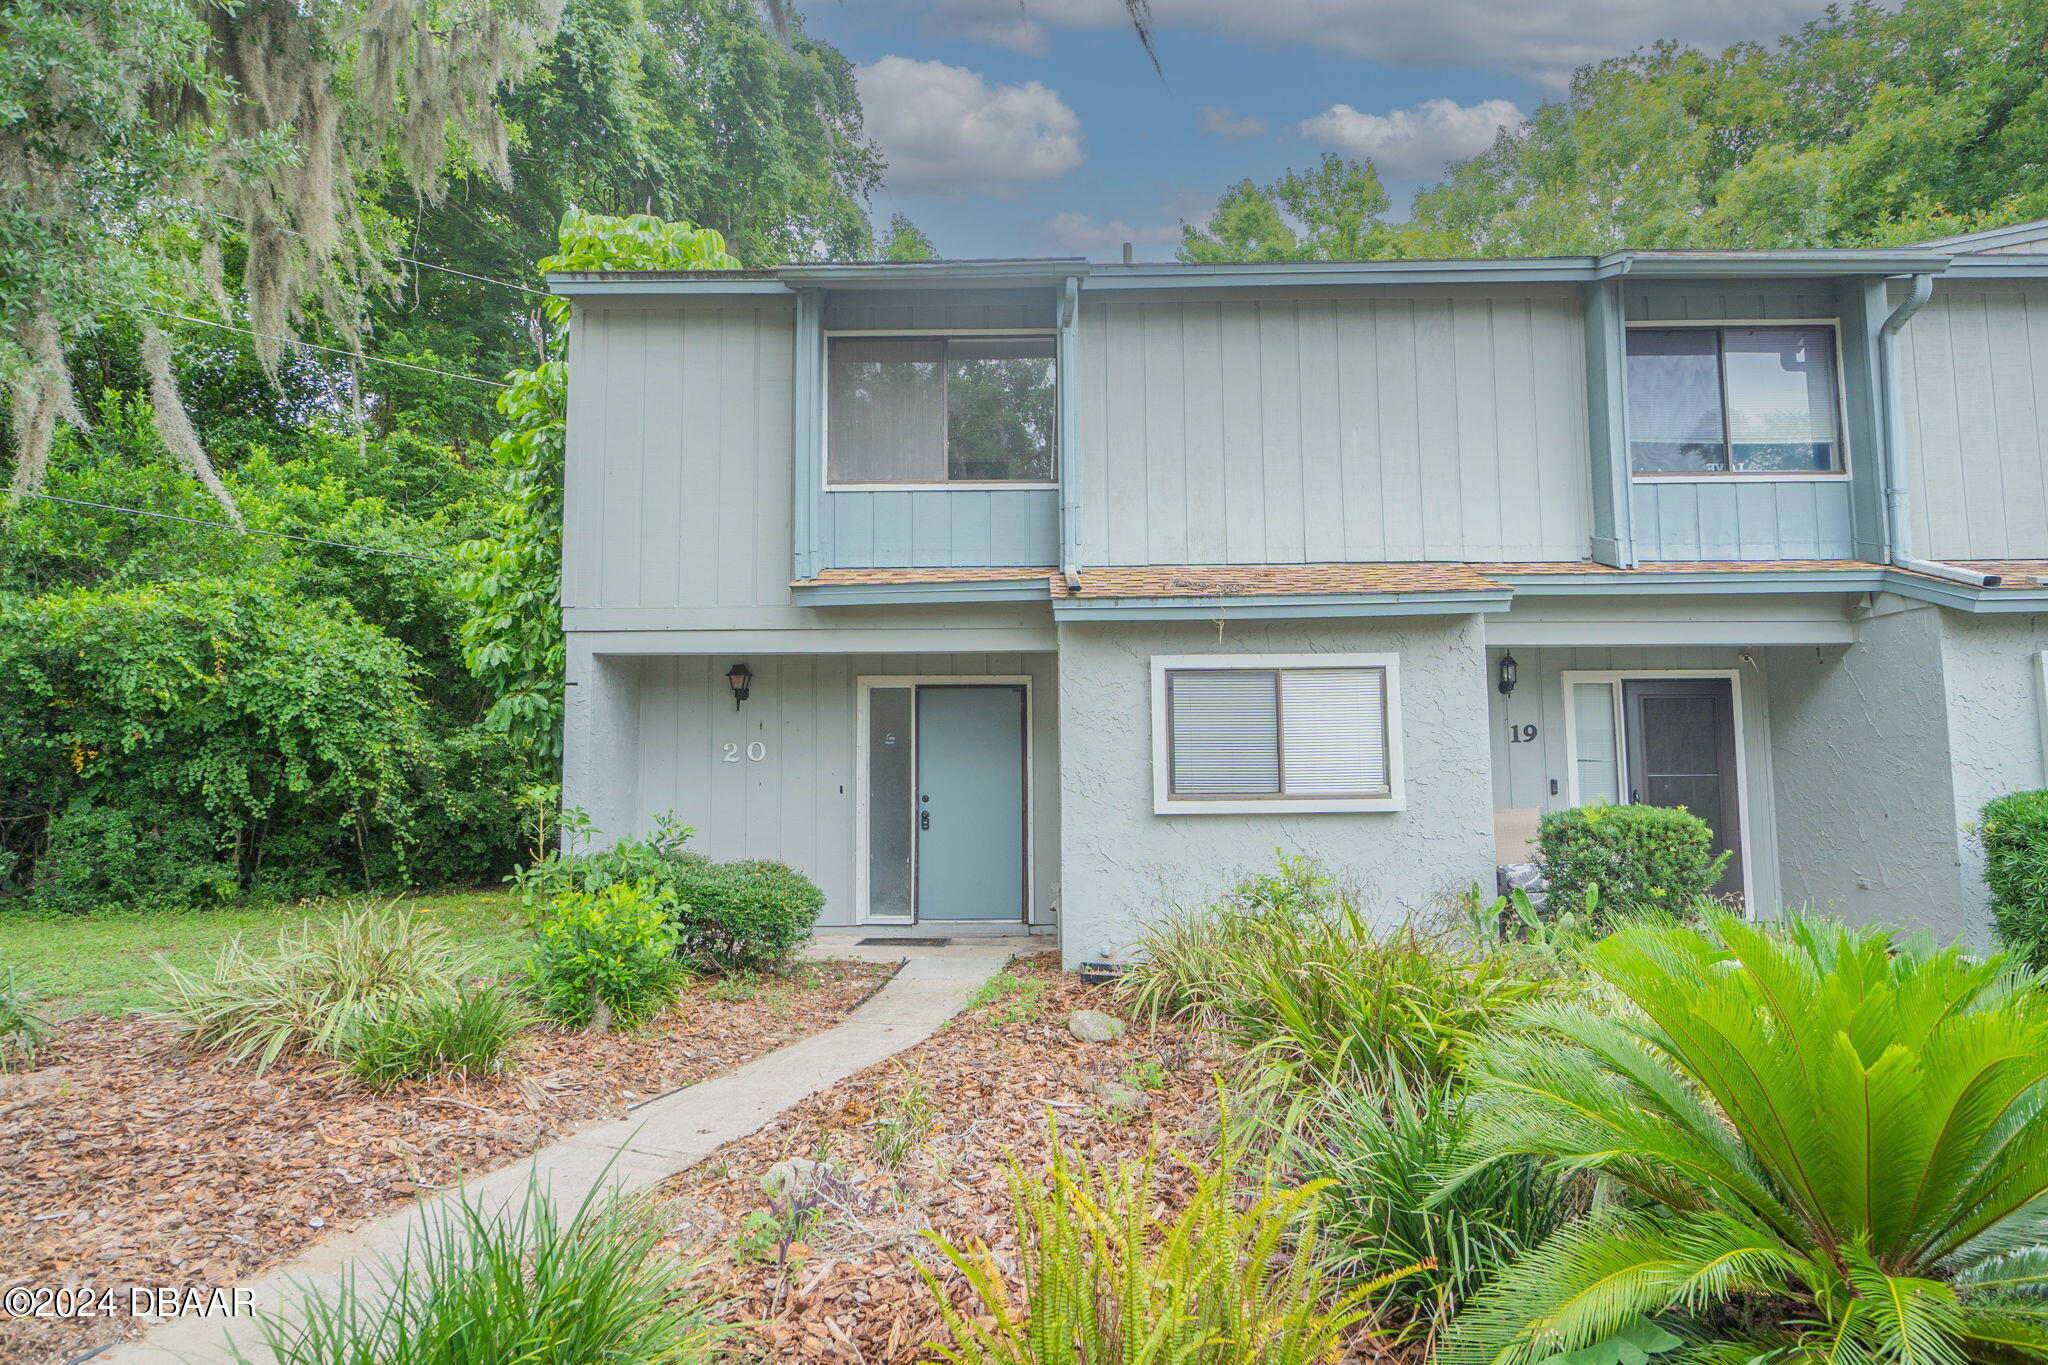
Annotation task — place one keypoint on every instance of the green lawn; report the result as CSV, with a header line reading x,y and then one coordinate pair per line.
x,y
106,962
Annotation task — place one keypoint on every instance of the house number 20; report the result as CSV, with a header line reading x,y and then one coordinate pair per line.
x,y
755,752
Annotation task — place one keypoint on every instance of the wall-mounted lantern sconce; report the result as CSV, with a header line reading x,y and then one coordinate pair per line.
x,y
1507,674
741,679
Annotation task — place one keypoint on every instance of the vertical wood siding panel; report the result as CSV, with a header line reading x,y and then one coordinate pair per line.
x,y
624,455
1983,494
1279,450
1400,481
892,520
1243,481
1162,390
664,438
1554,353
1438,392
973,540
1202,380
1124,448
1358,435
931,528
1943,476
584,447
1096,453
2015,368
747,377
1322,416
1481,474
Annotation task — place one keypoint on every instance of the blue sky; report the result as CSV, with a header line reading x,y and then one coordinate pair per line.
x,y
1041,129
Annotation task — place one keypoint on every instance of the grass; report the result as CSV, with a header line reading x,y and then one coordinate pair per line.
x,y
106,962
1009,999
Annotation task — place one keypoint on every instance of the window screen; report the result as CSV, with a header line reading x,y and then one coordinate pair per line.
x,y
1296,732
1732,400
981,409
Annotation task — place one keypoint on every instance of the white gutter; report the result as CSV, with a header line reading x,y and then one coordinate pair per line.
x,y
1068,344
1898,519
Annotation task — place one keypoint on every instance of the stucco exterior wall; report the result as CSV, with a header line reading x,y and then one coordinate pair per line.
x,y
1867,824
1120,861
1994,728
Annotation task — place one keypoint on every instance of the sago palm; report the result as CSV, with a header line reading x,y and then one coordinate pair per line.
x,y
1816,1145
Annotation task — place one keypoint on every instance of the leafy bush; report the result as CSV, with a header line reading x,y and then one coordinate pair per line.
x,y
467,1033
23,1030
1644,859
746,914
315,991
658,858
488,1285
1109,1276
608,957
1312,982
1822,1145
2014,832
1385,1154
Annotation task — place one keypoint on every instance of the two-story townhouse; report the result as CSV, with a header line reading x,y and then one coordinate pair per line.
x,y
1001,593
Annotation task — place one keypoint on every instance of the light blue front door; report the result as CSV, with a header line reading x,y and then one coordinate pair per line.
x,y
970,802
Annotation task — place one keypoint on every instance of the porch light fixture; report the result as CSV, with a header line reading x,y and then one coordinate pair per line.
x,y
1507,674
741,679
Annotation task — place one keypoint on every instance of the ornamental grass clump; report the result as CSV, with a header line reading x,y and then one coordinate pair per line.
x,y
23,1029
312,994
468,1033
1816,1144
1236,1277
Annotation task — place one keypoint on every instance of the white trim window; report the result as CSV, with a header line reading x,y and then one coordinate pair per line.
x,y
1728,400
929,410
1279,733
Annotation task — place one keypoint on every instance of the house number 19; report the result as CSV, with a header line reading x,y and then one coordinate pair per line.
x,y
1521,734
755,752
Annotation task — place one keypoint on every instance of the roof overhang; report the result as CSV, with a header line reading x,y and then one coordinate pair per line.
x,y
1280,607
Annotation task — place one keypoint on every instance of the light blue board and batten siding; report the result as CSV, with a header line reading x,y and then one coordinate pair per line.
x,y
1734,518
1372,425
1974,368
998,528
678,471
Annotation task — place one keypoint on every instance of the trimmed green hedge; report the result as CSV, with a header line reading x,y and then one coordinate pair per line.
x,y
744,914
1644,859
2014,832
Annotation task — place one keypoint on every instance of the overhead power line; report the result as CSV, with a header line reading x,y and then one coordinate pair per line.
x,y
480,279
221,525
331,350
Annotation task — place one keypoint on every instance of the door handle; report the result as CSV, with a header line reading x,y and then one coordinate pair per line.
x,y
924,819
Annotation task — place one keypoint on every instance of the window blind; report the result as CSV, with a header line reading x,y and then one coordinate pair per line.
x,y
1226,732
1335,725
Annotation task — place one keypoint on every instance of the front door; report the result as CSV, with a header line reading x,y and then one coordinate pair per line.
x,y
1681,752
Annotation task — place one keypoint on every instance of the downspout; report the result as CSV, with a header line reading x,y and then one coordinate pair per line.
x,y
1898,519
1069,422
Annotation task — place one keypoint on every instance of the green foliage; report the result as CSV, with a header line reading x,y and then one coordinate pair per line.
x,y
657,858
751,913
1645,860
2014,832
513,579
488,1284
1007,999
1827,1137
23,1029
1384,1152
1289,964
467,1033
608,956
1331,213
316,989
905,1117
906,243
1109,1276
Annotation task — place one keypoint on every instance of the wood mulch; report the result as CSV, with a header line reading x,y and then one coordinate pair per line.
x,y
132,1161
997,1077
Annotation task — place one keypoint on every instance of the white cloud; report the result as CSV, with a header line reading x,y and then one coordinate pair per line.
x,y
1104,237
949,133
1540,39
1224,122
1410,144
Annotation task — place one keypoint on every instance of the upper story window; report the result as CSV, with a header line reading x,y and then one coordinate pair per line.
x,y
1733,400
925,410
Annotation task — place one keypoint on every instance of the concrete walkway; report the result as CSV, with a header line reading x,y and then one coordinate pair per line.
x,y
654,1142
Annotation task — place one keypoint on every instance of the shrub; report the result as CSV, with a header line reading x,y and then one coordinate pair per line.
x,y
1191,957
488,1285
314,991
608,957
23,1030
1108,1276
1644,859
2014,832
746,914
467,1033
657,858
1821,1144
1385,1154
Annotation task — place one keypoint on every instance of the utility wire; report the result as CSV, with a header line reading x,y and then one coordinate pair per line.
x,y
480,279
222,525
331,350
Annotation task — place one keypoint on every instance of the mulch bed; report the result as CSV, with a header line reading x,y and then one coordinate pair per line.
x,y
852,1292
134,1162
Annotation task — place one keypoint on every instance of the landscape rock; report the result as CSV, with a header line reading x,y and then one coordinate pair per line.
x,y
1093,1026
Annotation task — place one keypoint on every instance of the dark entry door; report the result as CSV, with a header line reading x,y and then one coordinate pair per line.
x,y
1681,752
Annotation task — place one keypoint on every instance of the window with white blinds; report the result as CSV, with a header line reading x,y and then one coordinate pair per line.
x,y
1321,732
